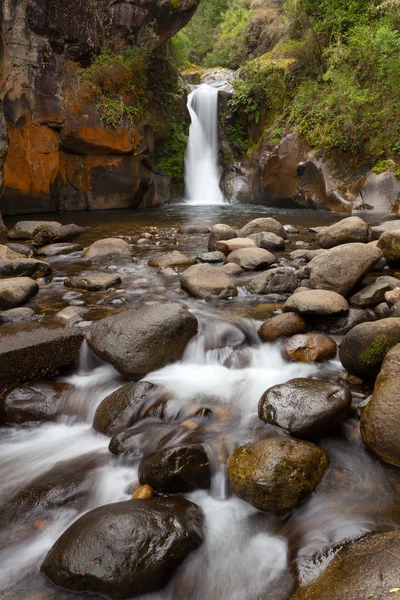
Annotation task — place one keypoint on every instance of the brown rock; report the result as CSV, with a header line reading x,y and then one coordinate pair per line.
x,y
172,259
251,259
310,347
228,246
316,302
286,324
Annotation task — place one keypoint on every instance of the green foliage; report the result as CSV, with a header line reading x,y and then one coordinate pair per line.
x,y
384,165
229,49
170,157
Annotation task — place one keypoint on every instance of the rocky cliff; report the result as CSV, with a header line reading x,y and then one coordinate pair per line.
x,y
62,153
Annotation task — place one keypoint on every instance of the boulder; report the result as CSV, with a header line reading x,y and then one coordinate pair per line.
x,y
34,402
316,302
370,295
220,232
228,246
93,282
16,315
343,323
276,474
309,347
20,248
283,325
379,230
44,235
144,438
107,246
194,229
16,291
340,269
281,280
392,296
395,310
389,243
58,249
382,311
24,230
364,348
305,407
205,281
306,255
393,282
138,341
29,354
125,549
177,470
365,568
352,229
13,264
267,224
121,409
211,257
232,269
380,418
172,259
251,259
268,240
70,315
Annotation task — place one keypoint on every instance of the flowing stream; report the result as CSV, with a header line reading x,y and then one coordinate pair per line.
x,y
202,173
246,554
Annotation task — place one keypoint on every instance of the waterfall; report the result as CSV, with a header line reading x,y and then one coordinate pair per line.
x,y
201,160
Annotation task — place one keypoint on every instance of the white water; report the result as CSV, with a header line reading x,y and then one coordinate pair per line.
x,y
202,172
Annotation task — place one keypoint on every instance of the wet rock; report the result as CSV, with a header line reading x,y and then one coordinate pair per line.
x,y
228,246
193,229
121,409
20,248
290,229
340,269
306,255
371,295
380,418
34,353
352,229
107,247
251,259
309,347
143,438
366,568
16,291
284,325
58,249
364,348
305,407
23,230
34,402
108,549
143,493
220,232
172,259
389,243
205,281
379,230
93,282
267,224
275,281
342,324
276,474
211,257
268,240
316,302
232,269
43,234
70,315
17,265
382,311
393,282
182,469
16,315
138,341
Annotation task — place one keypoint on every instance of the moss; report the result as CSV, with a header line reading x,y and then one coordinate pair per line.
x,y
376,352
345,237
384,165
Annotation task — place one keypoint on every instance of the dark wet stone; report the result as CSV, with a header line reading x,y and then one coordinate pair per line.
x,y
309,347
34,402
342,324
371,295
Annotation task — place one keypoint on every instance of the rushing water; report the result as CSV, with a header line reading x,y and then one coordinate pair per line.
x,y
202,173
246,554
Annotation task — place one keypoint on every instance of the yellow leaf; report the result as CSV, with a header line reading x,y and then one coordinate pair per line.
x,y
394,590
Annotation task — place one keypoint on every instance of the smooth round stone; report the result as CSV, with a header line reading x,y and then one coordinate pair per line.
x,y
310,347
316,302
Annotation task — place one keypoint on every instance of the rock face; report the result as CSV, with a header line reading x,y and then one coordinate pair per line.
x,y
305,407
61,155
352,229
366,567
275,281
364,348
125,549
309,347
276,474
340,269
138,341
283,325
16,291
380,418
176,470
316,302
207,282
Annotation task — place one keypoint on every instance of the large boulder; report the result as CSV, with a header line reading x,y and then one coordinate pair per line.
x,y
220,232
389,243
380,418
281,280
177,470
366,568
138,341
340,269
125,549
305,407
282,325
24,230
309,347
93,282
251,259
120,409
316,302
263,224
208,282
172,259
16,291
28,354
276,474
13,264
364,348
352,229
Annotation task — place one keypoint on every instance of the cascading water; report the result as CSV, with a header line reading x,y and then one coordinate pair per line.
x,y
201,160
